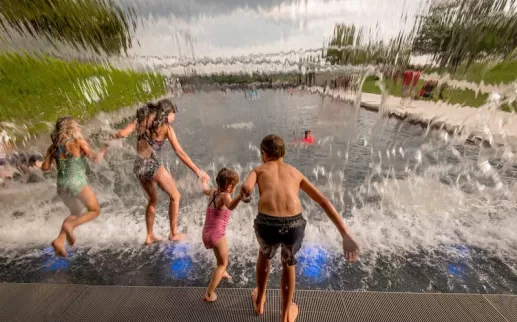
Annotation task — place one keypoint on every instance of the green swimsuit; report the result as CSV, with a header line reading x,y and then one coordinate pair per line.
x,y
71,173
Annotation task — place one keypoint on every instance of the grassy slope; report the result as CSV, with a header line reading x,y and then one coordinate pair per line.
x,y
504,72
452,96
36,90
495,74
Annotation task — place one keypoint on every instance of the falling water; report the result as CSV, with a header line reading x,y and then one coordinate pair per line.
x,y
432,207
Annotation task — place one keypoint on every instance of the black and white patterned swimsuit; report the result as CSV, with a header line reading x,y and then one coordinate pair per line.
x,y
145,168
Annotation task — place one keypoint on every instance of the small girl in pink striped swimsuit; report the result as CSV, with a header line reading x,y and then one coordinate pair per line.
x,y
218,214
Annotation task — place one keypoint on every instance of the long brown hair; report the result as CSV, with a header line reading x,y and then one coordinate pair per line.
x,y
161,111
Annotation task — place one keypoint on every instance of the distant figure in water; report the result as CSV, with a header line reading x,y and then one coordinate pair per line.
x,y
307,138
68,150
218,211
153,129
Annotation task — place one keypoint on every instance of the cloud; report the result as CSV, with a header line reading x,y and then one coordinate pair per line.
x,y
244,28
191,9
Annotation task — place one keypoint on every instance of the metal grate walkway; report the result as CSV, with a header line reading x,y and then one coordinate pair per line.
x,y
63,302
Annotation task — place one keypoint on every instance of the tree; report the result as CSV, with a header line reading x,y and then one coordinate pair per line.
x,y
96,24
457,32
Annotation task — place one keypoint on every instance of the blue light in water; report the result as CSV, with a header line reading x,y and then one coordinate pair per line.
x,y
180,260
180,267
457,265
53,263
457,270
312,262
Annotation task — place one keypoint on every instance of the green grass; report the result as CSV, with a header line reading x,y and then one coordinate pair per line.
x,y
35,91
495,74
464,97
450,95
370,86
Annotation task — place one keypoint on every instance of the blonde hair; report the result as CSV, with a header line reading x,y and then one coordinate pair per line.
x,y
66,127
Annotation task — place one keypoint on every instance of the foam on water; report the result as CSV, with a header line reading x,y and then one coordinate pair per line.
x,y
308,107
240,125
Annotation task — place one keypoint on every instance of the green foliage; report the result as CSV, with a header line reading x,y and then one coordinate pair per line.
x,y
37,90
466,31
95,24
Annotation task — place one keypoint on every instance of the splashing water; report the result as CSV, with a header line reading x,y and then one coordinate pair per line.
x,y
413,212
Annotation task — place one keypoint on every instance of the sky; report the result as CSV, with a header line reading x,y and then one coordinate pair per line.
x,y
205,36
230,34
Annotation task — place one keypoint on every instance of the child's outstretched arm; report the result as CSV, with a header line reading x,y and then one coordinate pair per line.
x,y
49,158
249,184
229,203
350,247
130,128
85,148
182,155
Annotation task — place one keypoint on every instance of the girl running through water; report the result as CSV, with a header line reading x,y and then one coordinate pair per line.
x,y
218,213
152,126
68,150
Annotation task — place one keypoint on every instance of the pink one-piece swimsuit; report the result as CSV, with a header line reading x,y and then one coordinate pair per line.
x,y
215,224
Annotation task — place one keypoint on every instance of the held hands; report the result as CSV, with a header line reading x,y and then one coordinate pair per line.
x,y
203,176
350,248
245,198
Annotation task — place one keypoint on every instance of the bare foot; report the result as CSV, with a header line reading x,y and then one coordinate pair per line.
x,y
70,236
177,236
59,247
227,276
151,239
293,313
210,298
258,307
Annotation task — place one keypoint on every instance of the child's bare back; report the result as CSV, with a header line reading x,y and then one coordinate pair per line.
x,y
279,222
279,188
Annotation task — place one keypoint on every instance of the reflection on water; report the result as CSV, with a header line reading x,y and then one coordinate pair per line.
x,y
431,212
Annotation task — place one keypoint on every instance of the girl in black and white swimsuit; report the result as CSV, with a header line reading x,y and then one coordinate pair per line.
x,y
152,125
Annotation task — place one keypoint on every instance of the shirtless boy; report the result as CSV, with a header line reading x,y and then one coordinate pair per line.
x,y
280,223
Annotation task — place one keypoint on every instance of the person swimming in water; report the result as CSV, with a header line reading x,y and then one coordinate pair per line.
x,y
68,150
307,138
153,128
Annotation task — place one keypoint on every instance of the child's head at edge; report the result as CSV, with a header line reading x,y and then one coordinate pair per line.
x,y
227,180
66,127
272,148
